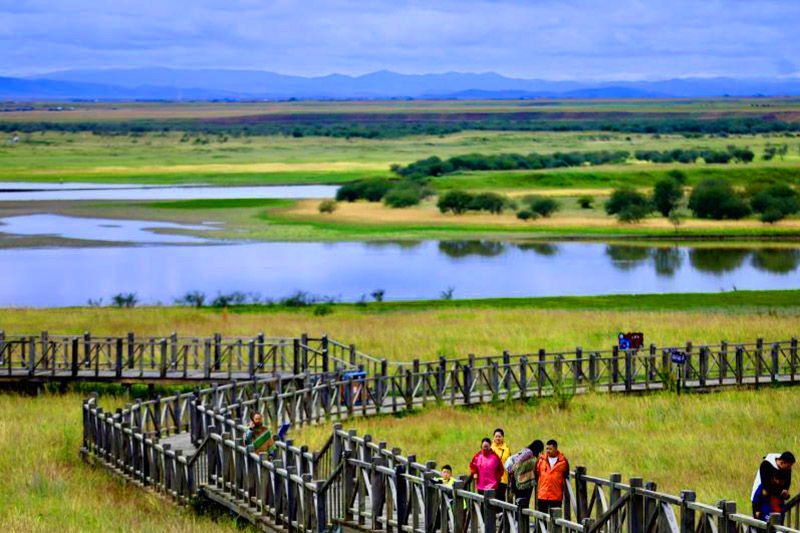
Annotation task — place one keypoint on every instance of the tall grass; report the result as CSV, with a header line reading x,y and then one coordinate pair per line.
x,y
45,487
406,334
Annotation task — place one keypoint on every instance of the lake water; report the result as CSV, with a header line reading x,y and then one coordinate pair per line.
x,y
100,229
405,271
22,191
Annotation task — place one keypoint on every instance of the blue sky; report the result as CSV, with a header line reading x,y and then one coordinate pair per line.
x,y
568,39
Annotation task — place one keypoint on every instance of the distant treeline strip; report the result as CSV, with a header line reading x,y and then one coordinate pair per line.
x,y
384,125
435,166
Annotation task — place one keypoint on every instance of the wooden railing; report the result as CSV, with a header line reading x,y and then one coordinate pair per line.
x,y
357,483
129,357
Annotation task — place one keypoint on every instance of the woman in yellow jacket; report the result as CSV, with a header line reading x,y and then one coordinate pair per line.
x,y
503,451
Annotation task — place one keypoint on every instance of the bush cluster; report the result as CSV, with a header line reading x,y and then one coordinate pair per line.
x,y
628,204
404,193
717,199
680,155
459,202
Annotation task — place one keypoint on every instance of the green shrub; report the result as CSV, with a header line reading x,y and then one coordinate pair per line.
x,y
328,206
776,197
372,190
456,201
633,213
586,201
628,204
667,194
771,216
489,201
403,197
527,215
716,199
544,206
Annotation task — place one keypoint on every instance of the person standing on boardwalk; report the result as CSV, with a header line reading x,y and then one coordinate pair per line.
x,y
486,468
521,469
552,472
772,483
503,451
258,435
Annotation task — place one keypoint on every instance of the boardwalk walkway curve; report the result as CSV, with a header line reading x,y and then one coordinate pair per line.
x,y
191,445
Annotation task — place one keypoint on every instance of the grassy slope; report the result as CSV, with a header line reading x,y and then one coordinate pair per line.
x,y
710,443
45,486
403,331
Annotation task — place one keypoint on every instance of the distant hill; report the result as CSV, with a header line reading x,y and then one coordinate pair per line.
x,y
204,84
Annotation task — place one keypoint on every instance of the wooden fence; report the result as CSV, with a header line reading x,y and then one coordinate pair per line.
x,y
455,380
173,358
355,483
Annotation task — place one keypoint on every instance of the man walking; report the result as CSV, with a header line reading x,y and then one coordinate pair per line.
x,y
552,472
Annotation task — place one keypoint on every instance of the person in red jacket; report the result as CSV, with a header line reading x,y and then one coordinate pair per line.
x,y
486,468
552,472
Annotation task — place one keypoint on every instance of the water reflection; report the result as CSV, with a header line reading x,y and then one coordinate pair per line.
x,y
460,249
717,260
627,257
777,260
545,249
667,261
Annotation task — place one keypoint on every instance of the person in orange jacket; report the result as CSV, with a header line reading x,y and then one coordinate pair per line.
x,y
552,472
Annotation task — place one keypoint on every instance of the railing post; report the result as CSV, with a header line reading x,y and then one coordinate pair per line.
x,y
251,358
260,345
322,498
45,343
759,359
173,340
217,351
739,365
592,369
615,364
429,498
87,349
540,370
75,344
207,359
118,366
581,494
687,514
773,520
352,350
723,361
458,506
687,368
636,507
774,355
467,383
614,495
324,354
489,521
523,378
304,350
163,370
295,356
703,365
579,364
793,357
628,371
441,374
555,516
131,351
725,524
651,362
378,492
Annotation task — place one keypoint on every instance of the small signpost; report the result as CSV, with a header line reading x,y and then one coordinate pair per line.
x,y
678,358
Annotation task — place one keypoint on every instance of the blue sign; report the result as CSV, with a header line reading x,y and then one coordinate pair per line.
x,y
679,358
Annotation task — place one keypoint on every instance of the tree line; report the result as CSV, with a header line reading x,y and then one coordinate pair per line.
x,y
400,125
435,166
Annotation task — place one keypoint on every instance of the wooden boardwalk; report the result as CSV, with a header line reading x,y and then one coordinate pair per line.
x,y
191,445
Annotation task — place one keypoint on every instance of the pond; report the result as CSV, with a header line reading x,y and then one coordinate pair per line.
x,y
100,229
22,191
348,271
